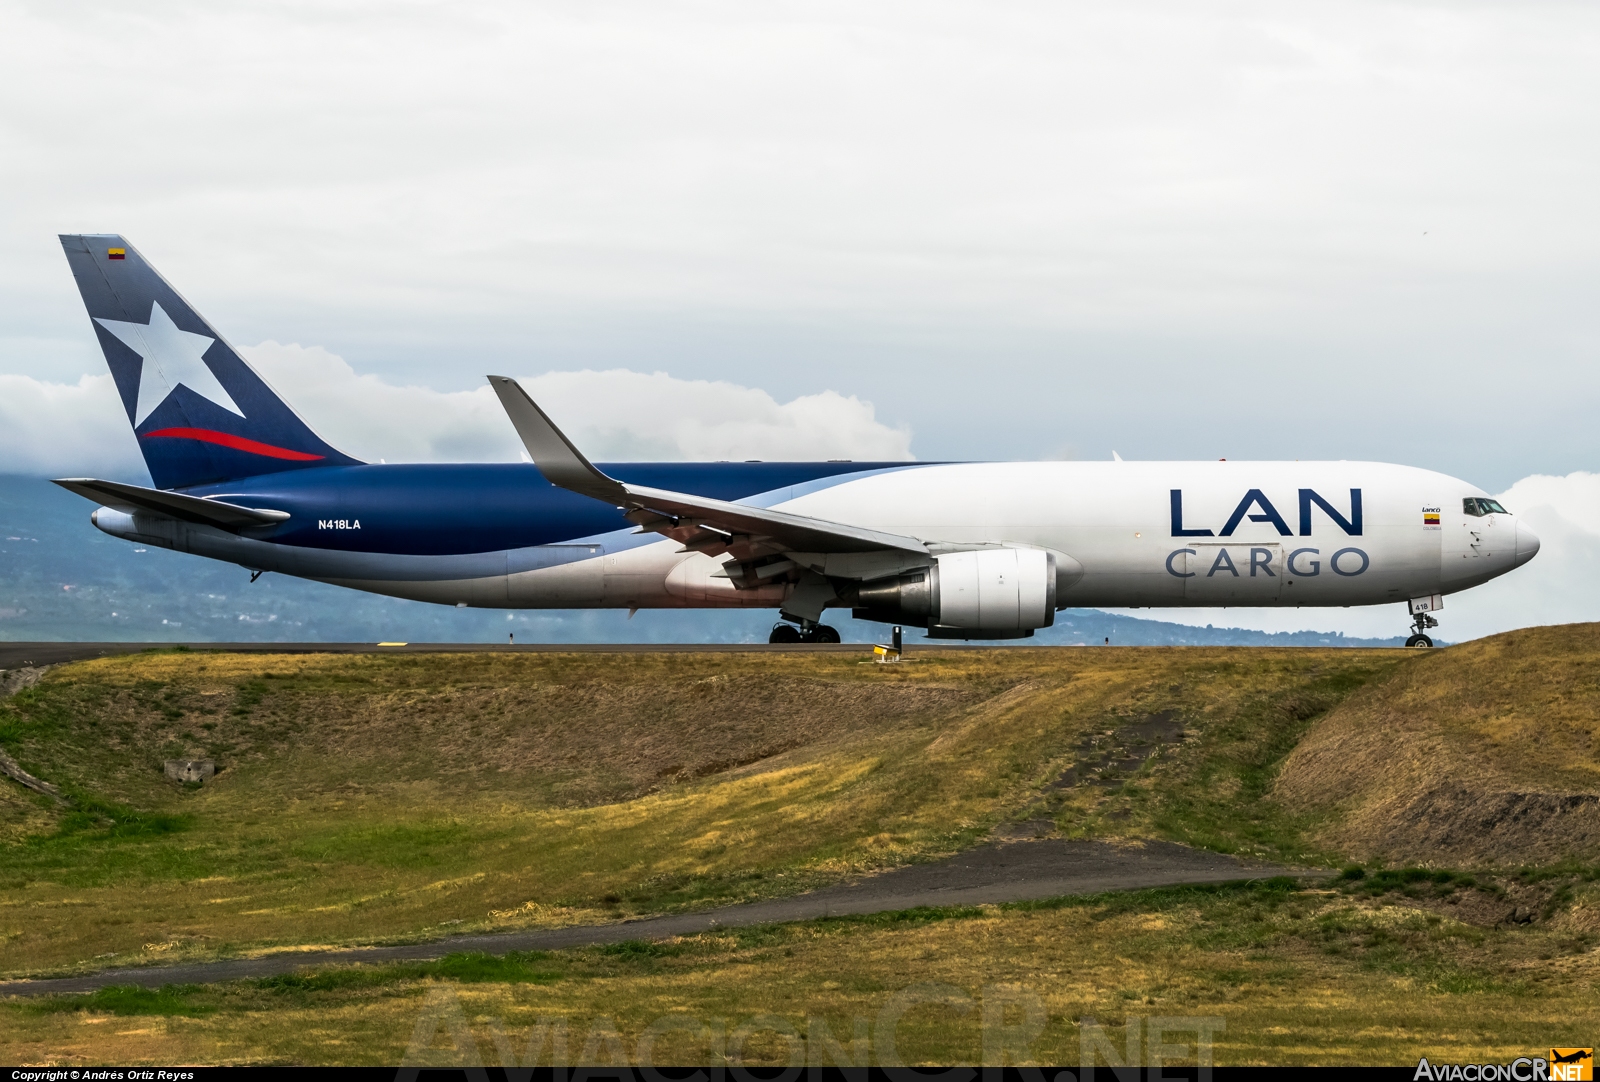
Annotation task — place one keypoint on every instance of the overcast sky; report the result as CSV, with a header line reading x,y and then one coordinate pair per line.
x,y
1177,230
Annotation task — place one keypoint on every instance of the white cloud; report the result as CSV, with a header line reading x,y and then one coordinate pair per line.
x,y
1574,499
65,429
1052,163
614,415
1180,229
1560,585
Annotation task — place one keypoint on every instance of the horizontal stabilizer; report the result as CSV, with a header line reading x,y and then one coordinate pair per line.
x,y
133,499
703,524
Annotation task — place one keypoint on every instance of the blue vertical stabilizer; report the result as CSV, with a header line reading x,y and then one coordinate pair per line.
x,y
201,413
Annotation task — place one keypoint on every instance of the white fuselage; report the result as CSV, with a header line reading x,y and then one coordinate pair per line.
x,y
1114,519
1112,526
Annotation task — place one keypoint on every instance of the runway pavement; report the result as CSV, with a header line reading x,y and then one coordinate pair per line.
x,y
16,655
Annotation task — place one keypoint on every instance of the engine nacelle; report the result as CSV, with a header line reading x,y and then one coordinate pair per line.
x,y
994,589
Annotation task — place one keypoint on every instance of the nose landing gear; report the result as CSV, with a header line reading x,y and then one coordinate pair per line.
x,y
1420,625
808,631
1421,621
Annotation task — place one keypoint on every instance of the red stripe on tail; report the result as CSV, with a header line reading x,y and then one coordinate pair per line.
x,y
237,443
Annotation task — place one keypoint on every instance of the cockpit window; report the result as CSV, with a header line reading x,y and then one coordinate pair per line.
x,y
1477,506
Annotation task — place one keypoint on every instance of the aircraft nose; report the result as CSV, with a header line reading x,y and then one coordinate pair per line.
x,y
1527,543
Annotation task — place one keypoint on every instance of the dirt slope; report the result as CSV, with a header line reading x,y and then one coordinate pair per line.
x,y
1484,753
579,731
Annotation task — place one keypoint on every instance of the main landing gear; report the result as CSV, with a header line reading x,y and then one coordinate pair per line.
x,y
808,632
1418,626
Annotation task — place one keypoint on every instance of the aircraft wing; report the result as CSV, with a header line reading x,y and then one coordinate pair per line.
x,y
133,499
702,524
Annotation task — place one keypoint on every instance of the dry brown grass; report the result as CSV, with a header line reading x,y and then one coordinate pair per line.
x,y
1485,753
370,798
380,798
587,730
1296,979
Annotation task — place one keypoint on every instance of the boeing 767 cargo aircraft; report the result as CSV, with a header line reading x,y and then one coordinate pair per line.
x,y
968,550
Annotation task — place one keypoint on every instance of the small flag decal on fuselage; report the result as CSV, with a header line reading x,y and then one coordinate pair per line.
x,y
1430,518
116,253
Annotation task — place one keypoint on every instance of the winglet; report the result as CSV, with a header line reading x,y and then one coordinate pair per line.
x,y
682,515
562,464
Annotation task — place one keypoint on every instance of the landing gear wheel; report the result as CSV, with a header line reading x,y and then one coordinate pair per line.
x,y
784,633
1419,630
824,633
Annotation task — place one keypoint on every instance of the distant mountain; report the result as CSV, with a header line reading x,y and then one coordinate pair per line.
x,y
61,579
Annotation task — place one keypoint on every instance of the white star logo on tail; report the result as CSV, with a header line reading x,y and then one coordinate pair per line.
x,y
171,356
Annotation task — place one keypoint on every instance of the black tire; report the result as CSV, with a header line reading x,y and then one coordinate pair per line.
x,y
1419,640
784,633
824,633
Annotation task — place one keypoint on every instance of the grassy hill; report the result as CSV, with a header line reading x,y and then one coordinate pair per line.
x,y
1487,753
365,797
380,798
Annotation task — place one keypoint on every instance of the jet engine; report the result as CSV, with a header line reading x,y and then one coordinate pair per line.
x,y
986,593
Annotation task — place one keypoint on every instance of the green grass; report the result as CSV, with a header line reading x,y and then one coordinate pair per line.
x,y
1297,978
168,1001
1216,792
369,799
514,967
1435,882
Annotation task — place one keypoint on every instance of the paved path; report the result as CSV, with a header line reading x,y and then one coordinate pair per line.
x,y
997,872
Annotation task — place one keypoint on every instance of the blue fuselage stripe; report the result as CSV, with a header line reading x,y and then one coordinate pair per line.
x,y
437,510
